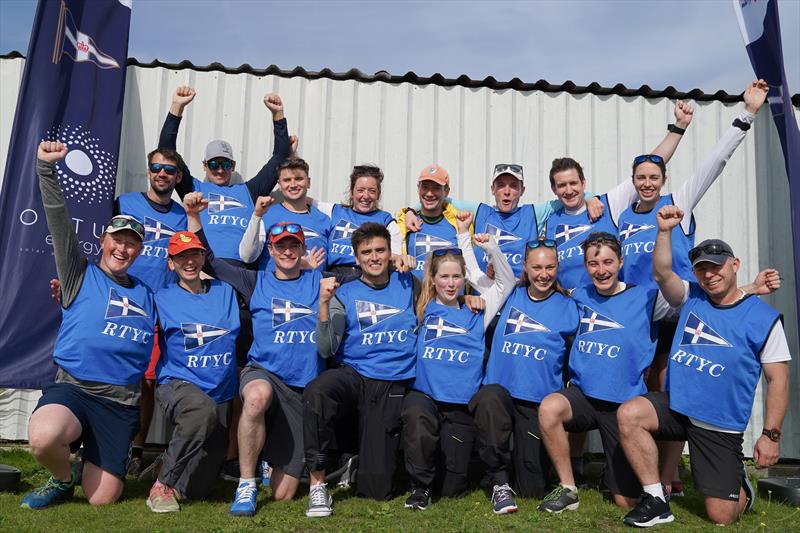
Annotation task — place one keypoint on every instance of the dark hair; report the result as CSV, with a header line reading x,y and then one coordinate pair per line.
x,y
523,277
560,164
169,154
601,238
662,165
364,171
293,163
368,231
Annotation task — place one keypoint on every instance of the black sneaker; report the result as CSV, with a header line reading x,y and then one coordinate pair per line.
x,y
560,499
230,472
649,511
419,499
503,499
749,492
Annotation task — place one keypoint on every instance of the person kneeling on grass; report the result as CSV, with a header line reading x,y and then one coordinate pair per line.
x,y
725,339
199,322
102,350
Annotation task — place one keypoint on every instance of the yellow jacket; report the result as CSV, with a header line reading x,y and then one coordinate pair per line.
x,y
449,213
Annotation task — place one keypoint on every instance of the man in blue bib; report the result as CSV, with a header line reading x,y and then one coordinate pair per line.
x,y
725,339
368,326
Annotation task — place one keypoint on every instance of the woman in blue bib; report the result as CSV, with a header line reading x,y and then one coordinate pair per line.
x,y
438,431
526,363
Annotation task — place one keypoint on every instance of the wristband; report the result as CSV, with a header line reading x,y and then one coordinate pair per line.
x,y
742,125
407,209
672,128
772,434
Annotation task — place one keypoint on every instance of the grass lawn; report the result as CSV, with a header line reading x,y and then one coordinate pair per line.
x,y
471,513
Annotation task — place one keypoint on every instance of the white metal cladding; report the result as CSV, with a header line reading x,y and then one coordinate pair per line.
x,y
403,127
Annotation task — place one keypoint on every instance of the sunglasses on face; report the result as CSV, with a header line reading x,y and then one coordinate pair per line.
x,y
444,251
711,249
547,243
653,158
134,224
224,164
506,167
171,170
277,229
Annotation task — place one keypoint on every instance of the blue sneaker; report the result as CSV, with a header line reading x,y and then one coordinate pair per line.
x,y
244,500
52,492
265,470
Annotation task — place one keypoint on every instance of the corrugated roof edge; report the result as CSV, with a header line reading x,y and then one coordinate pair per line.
x,y
438,79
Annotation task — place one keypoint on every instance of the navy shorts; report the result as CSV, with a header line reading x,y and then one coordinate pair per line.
x,y
107,427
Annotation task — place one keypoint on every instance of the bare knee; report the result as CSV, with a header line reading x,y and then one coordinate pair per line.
x,y
623,501
257,397
722,514
42,438
552,411
102,499
283,494
634,414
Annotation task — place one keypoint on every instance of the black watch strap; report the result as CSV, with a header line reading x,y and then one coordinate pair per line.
x,y
772,434
672,128
742,125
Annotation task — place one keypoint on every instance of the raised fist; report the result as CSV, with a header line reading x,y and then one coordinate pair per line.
x,y
754,95
327,289
668,217
51,151
683,114
294,140
483,240
263,204
183,95
463,221
194,202
274,104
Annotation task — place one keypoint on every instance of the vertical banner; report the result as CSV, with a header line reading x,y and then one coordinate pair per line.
x,y
72,90
761,30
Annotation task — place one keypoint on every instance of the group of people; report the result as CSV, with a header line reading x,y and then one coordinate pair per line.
x,y
500,331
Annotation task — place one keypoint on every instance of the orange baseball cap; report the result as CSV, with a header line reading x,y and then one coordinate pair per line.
x,y
182,241
436,174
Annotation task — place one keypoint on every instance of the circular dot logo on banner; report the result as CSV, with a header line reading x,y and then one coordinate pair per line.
x,y
87,173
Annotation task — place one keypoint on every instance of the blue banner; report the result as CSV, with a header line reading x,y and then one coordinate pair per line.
x,y
72,90
761,30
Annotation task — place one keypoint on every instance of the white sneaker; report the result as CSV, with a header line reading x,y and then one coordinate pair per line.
x,y
319,501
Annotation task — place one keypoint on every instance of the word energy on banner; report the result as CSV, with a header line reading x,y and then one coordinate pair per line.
x,y
72,91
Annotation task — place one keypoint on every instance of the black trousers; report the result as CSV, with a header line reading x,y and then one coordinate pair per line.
x,y
438,439
499,418
332,402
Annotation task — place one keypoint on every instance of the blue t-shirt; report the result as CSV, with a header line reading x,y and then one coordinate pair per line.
x,y
227,216
345,221
316,228
512,231
432,236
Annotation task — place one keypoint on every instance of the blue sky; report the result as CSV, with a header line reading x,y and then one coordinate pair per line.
x,y
687,44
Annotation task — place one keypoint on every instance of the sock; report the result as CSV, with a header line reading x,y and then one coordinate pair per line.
x,y
247,481
573,488
655,490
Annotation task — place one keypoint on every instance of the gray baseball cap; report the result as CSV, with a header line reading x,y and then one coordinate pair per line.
x,y
219,148
711,250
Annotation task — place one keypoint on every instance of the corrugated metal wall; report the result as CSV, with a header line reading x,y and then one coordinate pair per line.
x,y
403,127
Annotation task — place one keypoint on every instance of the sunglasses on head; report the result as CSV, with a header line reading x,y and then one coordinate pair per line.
x,y
366,168
505,167
120,222
444,251
600,237
277,229
653,158
711,249
547,243
214,164
171,170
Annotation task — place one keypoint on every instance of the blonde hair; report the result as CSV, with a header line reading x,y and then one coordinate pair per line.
x,y
428,290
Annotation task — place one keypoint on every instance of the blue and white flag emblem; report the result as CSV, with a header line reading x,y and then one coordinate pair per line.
x,y
500,235
219,202
285,311
155,230
438,327
371,313
122,306
343,230
519,322
425,244
629,230
199,335
310,233
696,332
592,321
565,232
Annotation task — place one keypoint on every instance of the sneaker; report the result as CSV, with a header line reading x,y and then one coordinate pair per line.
x,y
244,500
503,499
319,501
648,512
52,492
230,472
162,499
560,499
265,471
153,469
419,499
749,492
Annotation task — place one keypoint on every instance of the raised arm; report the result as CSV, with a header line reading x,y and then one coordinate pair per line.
x,y
671,285
683,117
331,319
168,138
504,281
475,276
251,245
70,262
263,182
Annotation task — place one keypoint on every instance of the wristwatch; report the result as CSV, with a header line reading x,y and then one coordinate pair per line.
x,y
672,128
772,434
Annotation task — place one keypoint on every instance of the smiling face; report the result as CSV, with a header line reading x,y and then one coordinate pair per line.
x,y
507,191
120,249
431,196
603,265
366,192
569,187
717,280
188,264
161,182
541,269
293,183
373,256
219,175
648,180
287,253
448,281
